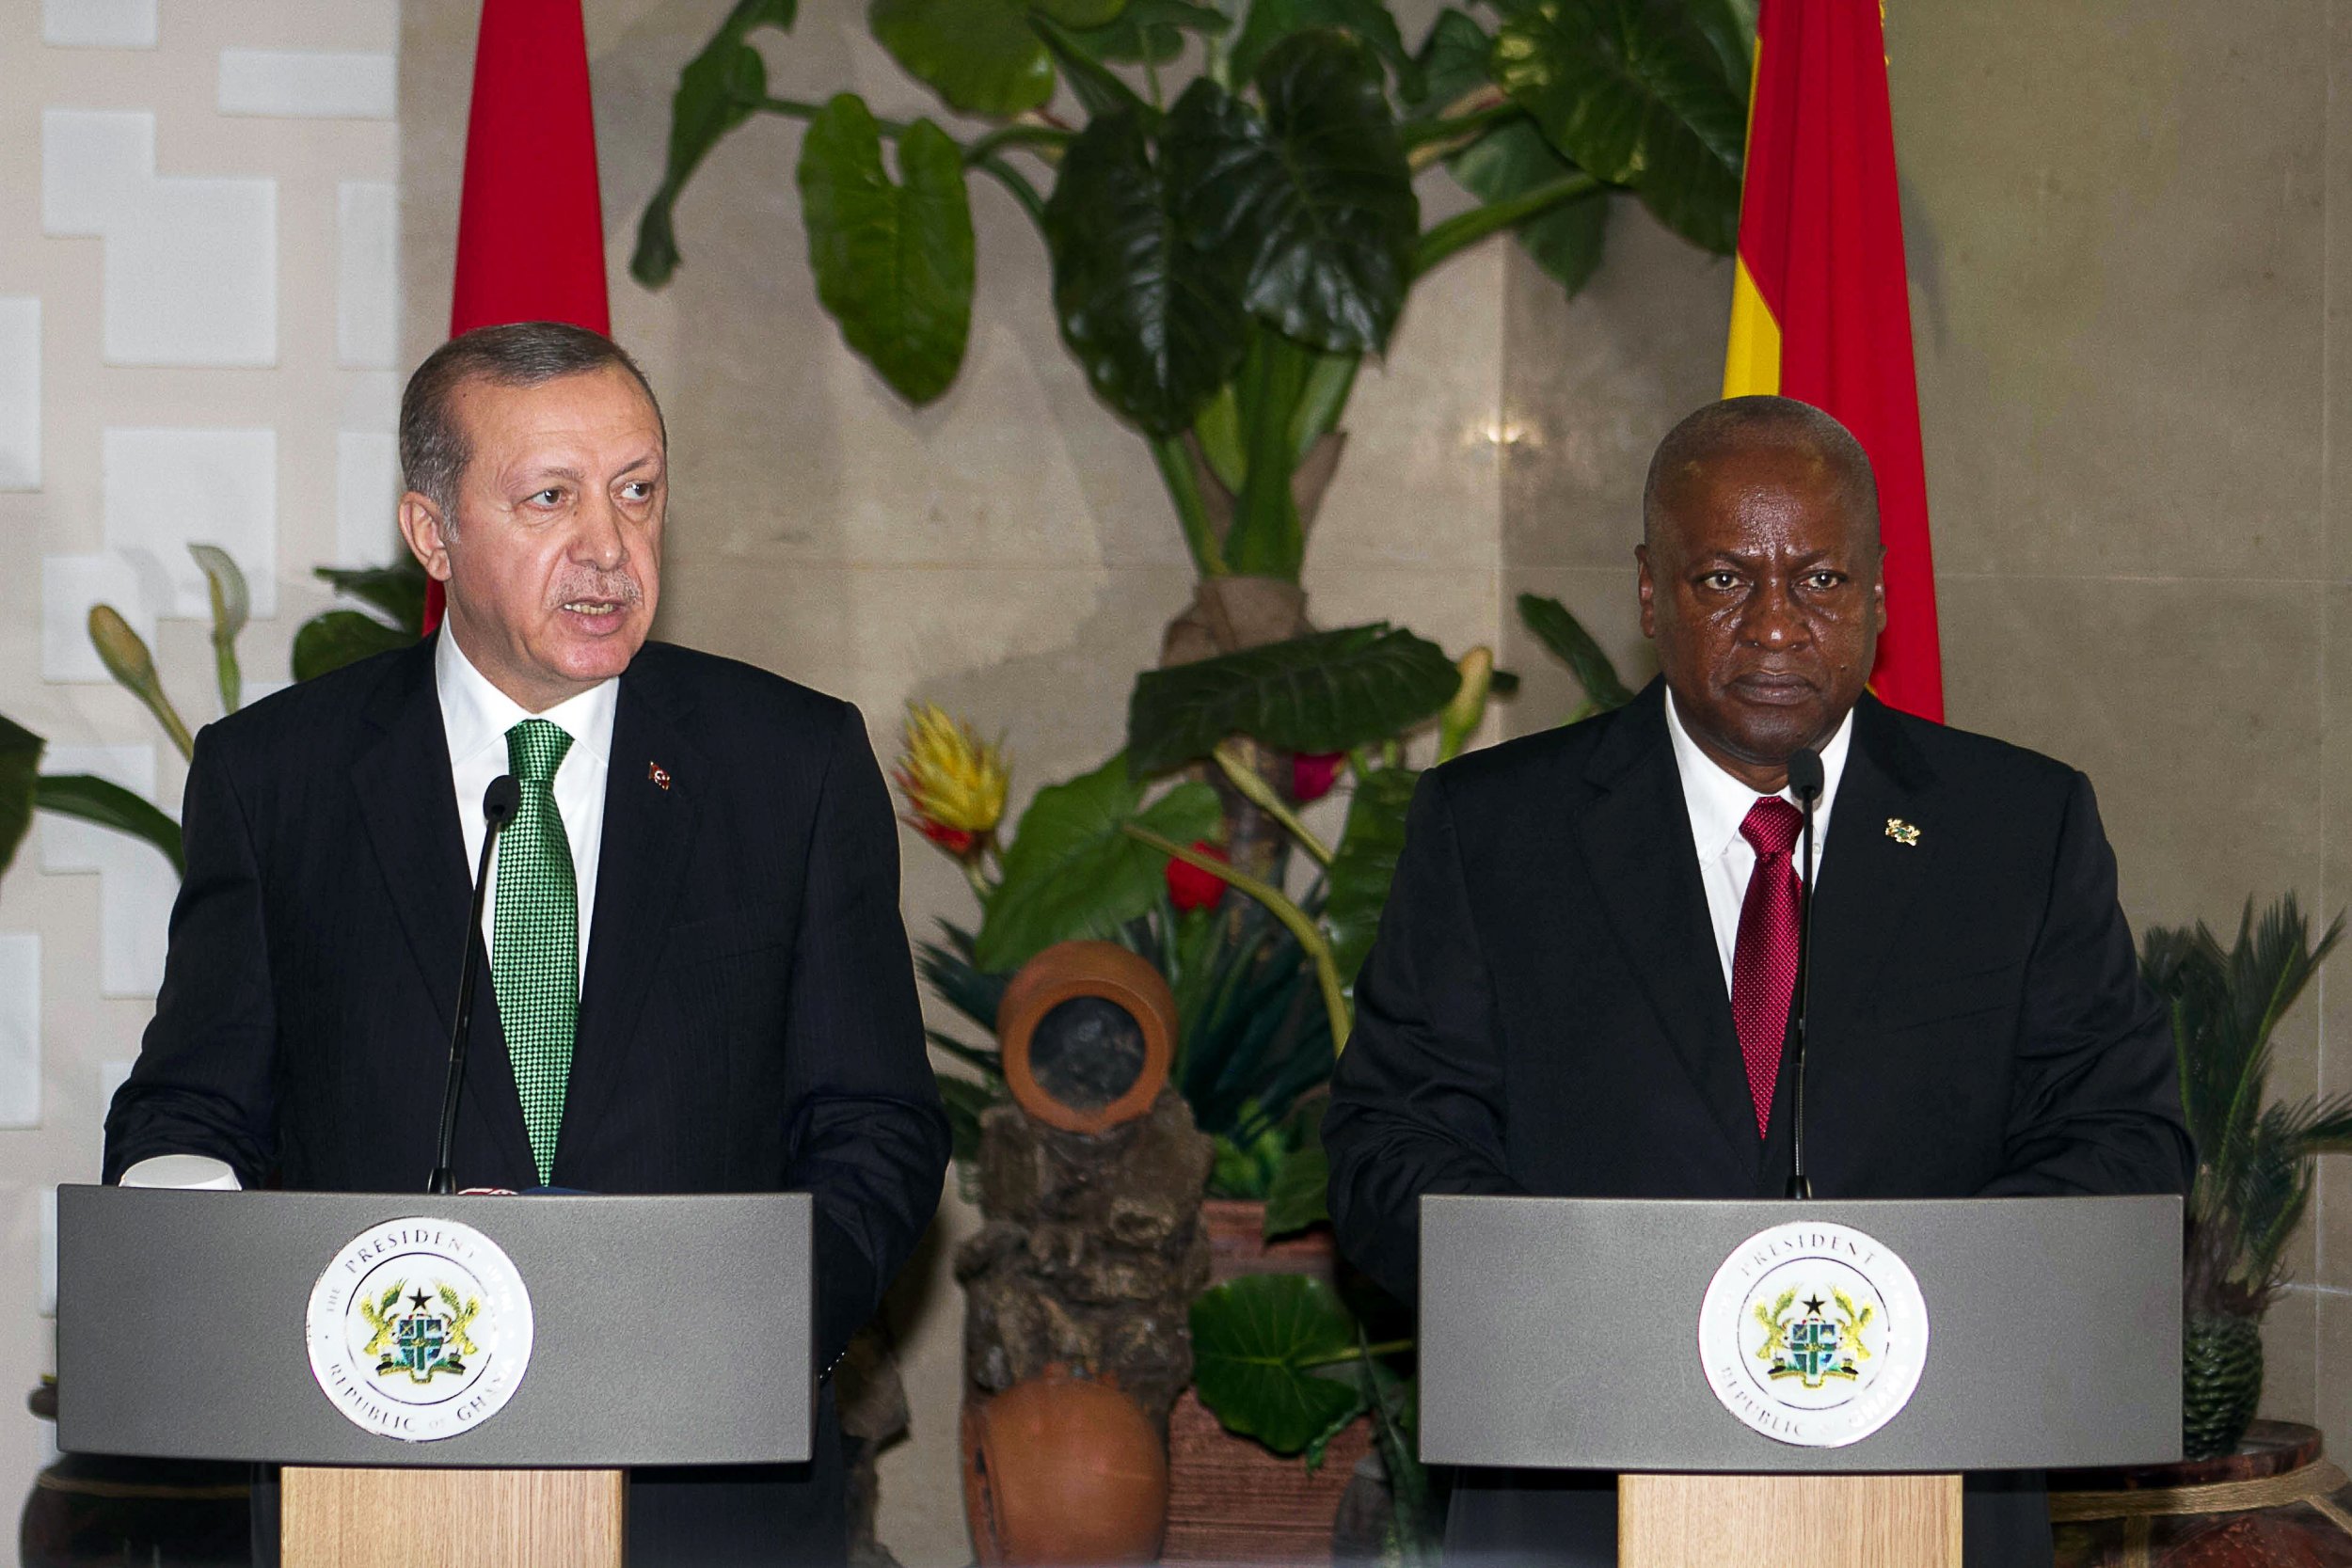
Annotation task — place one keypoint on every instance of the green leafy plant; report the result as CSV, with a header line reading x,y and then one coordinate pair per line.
x,y
395,593
1227,248
2257,1158
395,618
23,788
1280,1358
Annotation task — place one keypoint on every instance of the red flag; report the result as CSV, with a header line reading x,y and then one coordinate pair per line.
x,y
1821,310
531,223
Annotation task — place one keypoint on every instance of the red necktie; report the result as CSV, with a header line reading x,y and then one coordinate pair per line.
x,y
1764,965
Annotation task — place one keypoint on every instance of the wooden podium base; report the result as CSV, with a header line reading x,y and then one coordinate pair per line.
x,y
412,1518
1789,1521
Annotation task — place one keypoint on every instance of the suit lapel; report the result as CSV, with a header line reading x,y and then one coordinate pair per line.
x,y
1869,879
649,825
1636,838
410,807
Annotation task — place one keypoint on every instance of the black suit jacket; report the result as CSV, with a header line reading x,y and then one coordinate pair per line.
x,y
1544,1012
748,1019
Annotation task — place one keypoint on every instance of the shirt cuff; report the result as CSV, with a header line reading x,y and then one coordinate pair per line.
x,y
191,1172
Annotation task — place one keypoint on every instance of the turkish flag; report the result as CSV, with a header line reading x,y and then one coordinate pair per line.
x,y
531,222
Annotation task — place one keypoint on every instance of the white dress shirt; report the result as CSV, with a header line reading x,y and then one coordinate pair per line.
x,y
1718,804
475,716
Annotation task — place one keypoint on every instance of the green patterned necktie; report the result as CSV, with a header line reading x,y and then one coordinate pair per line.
x,y
534,937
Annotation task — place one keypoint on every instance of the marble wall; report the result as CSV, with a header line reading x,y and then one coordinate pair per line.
x,y
2130,320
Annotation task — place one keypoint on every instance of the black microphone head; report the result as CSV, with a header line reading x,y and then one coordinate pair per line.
x,y
504,798
1804,774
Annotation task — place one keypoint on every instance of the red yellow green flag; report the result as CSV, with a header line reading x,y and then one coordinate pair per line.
x,y
1819,307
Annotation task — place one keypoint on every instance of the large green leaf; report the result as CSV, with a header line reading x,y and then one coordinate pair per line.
x,y
1565,636
977,55
397,590
893,260
980,56
1454,59
1365,863
109,806
1637,98
1328,692
1272,20
1300,1194
1073,872
1151,31
341,636
1728,28
1512,158
1252,1342
20,761
1312,197
719,88
1153,315
1098,89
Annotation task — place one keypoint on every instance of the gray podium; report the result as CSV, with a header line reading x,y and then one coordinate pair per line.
x,y
1568,1334
673,1330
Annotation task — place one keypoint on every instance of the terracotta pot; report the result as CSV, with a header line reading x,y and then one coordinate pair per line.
x,y
2277,1501
1137,1013
1063,1470
1229,1500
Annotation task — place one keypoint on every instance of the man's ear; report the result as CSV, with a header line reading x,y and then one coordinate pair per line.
x,y
421,525
1647,588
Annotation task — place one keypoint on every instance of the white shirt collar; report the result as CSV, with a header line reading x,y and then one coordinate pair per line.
x,y
1719,803
475,714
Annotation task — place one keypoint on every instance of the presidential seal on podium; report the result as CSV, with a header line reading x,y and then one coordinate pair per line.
x,y
1814,1334
420,1329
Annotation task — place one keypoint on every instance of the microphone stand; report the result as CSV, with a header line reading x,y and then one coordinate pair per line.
x,y
499,804
1805,783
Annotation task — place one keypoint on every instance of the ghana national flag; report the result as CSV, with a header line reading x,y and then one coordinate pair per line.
x,y
1820,308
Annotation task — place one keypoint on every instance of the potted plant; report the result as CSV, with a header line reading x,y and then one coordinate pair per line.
x,y
2245,1490
2256,1157
1262,989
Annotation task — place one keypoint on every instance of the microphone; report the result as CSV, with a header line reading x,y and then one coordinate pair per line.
x,y
1805,783
500,803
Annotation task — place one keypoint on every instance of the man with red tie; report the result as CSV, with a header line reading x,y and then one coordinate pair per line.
x,y
1584,977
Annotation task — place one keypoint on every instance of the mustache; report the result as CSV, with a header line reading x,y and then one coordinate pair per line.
x,y
620,588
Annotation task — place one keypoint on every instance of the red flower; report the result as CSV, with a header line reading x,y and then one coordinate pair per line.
x,y
1311,774
1191,887
956,841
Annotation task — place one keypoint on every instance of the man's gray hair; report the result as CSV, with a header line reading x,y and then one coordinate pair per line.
x,y
433,449
1738,424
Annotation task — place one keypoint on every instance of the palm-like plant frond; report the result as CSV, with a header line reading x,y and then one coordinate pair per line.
x,y
2254,1171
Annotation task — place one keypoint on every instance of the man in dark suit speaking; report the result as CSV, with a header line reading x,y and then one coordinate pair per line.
x,y
698,977
1582,979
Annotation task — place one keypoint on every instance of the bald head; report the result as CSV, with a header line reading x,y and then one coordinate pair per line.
x,y
1800,435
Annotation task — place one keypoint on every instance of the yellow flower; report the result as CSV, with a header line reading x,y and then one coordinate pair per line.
x,y
954,781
